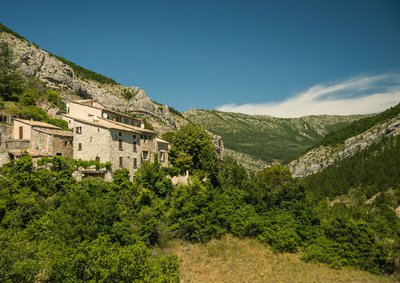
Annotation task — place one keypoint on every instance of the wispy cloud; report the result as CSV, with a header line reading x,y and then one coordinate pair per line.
x,y
358,95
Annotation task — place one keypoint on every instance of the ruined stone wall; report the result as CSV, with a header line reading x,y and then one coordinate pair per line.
x,y
62,145
40,141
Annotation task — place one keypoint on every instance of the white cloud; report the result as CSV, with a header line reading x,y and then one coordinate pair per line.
x,y
359,95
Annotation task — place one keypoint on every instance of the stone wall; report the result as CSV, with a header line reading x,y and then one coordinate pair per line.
x,y
94,141
127,153
81,111
26,130
62,145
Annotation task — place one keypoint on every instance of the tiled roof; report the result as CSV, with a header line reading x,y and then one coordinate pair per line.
x,y
56,132
160,140
36,123
108,124
85,101
32,152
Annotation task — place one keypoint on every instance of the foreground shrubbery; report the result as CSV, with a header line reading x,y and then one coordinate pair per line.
x,y
56,229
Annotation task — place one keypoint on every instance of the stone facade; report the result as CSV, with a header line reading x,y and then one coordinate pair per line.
x,y
51,142
108,136
39,139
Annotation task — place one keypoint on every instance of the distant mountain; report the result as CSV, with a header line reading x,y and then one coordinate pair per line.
x,y
268,138
347,142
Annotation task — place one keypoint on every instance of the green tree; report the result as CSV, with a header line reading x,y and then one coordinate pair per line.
x,y
11,83
193,149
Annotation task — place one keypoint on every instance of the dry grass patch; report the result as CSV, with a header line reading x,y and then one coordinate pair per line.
x,y
234,260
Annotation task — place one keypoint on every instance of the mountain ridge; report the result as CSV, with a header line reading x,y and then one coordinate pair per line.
x,y
268,138
326,154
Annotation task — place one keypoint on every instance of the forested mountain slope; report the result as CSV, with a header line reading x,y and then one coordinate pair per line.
x,y
265,137
348,141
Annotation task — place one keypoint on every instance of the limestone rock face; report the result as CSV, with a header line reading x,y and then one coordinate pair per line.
x,y
319,158
33,61
141,103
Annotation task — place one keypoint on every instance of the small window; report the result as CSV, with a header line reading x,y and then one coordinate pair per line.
x,y
118,119
120,144
134,146
121,162
162,156
65,143
135,163
119,134
134,137
78,130
79,146
21,133
98,158
145,155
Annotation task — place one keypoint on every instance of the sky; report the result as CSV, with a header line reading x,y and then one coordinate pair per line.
x,y
281,58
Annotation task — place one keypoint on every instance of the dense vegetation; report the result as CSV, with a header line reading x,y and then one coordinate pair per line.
x,y
20,96
85,73
265,137
56,229
359,126
3,28
374,169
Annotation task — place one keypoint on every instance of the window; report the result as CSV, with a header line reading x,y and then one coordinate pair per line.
x,y
145,155
78,130
119,134
134,146
65,143
118,119
98,158
135,163
79,146
121,162
120,144
21,132
162,156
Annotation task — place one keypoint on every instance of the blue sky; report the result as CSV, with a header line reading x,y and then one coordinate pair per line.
x,y
245,56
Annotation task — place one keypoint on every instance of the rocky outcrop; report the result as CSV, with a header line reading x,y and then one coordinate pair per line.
x,y
319,158
248,162
142,104
33,61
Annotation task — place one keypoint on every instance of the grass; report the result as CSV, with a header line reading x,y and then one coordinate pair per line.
x,y
235,260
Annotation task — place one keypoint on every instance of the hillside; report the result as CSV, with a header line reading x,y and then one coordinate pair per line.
x,y
347,142
72,81
234,260
265,137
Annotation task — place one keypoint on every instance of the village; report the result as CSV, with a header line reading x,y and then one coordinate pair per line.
x,y
96,133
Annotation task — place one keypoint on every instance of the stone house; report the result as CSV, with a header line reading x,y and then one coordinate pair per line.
x,y
108,136
38,139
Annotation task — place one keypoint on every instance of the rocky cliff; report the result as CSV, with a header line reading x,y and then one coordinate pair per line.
x,y
321,157
56,74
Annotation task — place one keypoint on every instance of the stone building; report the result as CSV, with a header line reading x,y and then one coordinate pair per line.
x,y
38,139
108,136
